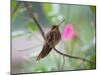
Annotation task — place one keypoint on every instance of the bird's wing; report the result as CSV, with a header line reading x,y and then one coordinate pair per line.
x,y
50,37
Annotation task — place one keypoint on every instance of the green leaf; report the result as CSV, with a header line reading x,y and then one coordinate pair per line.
x,y
41,69
13,3
47,8
13,7
32,27
14,16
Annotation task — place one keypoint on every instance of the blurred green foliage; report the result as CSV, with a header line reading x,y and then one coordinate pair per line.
x,y
47,8
90,66
32,27
13,4
93,8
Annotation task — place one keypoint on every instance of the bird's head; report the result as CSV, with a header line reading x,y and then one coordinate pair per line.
x,y
57,26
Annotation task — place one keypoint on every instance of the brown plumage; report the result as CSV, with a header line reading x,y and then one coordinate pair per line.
x,y
52,38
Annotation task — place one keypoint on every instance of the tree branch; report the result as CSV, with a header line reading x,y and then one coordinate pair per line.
x,y
35,20
74,57
43,35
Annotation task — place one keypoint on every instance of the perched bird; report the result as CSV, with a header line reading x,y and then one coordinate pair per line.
x,y
52,39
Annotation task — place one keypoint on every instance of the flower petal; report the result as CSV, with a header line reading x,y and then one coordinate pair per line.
x,y
68,32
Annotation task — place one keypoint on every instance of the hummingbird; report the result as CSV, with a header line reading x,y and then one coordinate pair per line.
x,y
52,39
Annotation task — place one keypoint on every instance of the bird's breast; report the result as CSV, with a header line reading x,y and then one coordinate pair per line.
x,y
57,37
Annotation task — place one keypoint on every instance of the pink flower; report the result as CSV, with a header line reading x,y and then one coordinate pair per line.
x,y
69,33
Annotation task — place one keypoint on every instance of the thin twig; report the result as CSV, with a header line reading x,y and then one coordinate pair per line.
x,y
74,57
43,35
34,19
63,62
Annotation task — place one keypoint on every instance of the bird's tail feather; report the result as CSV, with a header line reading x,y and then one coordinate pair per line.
x,y
45,51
